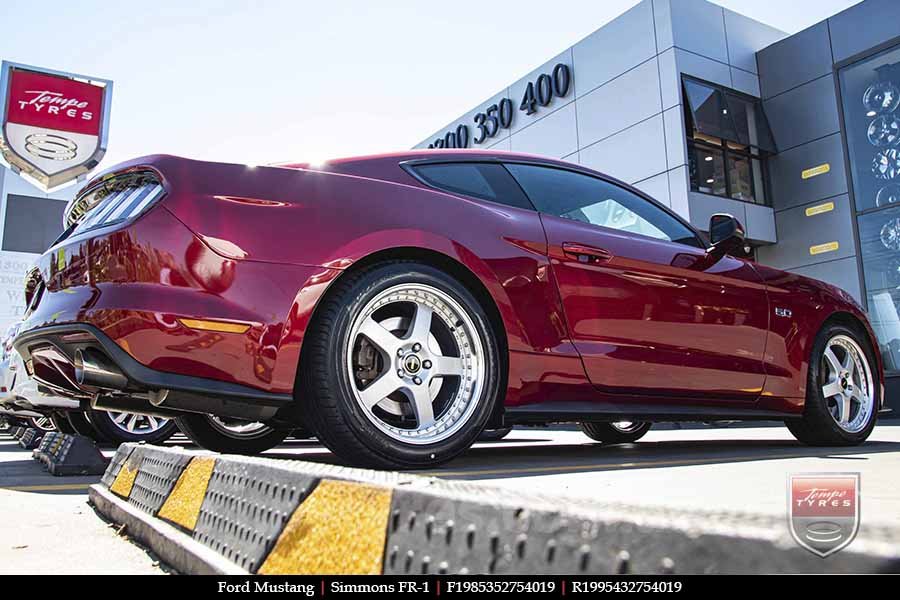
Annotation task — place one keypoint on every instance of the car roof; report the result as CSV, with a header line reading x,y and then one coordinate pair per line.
x,y
436,154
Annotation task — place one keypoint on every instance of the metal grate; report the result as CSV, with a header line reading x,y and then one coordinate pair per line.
x,y
247,505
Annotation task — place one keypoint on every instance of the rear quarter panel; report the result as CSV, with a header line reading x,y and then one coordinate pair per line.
x,y
312,218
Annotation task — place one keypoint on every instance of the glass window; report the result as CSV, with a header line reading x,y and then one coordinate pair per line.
x,y
750,122
591,200
728,140
489,181
32,224
870,93
725,114
708,170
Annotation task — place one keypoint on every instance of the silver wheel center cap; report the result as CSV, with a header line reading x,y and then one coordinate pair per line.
x,y
412,364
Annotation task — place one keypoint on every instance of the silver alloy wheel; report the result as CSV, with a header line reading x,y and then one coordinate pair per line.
x,y
627,426
239,429
137,424
43,423
846,383
416,363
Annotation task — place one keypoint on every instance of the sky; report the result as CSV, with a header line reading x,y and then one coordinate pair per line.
x,y
269,80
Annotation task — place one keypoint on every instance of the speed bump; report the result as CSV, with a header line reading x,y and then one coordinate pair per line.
x,y
182,506
237,515
340,529
124,481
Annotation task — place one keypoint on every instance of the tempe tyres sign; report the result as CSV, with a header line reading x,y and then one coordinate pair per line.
x,y
55,124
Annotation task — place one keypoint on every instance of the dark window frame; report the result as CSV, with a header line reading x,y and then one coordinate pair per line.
x,y
751,153
724,151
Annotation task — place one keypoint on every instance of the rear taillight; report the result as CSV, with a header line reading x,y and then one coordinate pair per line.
x,y
116,199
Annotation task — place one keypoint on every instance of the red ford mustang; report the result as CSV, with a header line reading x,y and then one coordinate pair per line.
x,y
400,304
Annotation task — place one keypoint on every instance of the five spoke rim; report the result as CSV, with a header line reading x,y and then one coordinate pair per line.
x,y
846,383
415,363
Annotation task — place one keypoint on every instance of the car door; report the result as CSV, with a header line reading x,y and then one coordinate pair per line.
x,y
650,311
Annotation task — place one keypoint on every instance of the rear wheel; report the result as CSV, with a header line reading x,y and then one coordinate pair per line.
x,y
619,432
400,368
230,436
119,427
841,391
42,424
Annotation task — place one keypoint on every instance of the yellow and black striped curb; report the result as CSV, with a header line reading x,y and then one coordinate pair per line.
x,y
205,513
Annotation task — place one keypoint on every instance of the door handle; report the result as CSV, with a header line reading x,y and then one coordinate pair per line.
x,y
586,253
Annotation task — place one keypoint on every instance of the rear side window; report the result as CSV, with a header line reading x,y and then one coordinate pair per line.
x,y
488,181
598,202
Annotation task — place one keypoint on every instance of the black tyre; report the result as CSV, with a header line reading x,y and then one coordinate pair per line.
x,y
621,432
302,433
842,390
230,436
120,427
82,426
400,367
494,435
62,423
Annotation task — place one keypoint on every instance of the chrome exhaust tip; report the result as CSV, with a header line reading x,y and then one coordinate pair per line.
x,y
93,369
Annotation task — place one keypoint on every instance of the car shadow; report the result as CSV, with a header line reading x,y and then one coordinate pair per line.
x,y
490,461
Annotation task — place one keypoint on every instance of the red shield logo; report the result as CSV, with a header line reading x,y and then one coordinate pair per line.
x,y
55,124
823,510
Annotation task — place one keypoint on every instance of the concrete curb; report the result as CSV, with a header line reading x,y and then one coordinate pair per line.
x,y
204,513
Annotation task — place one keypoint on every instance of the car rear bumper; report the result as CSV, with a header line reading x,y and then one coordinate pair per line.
x,y
52,352
144,295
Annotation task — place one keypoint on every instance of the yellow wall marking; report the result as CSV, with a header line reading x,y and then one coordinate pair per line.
x,y
125,479
182,507
818,209
339,529
823,248
220,326
813,171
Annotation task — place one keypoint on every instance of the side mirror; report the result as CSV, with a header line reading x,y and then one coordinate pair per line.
x,y
726,234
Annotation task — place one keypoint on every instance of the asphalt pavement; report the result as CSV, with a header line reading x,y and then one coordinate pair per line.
x,y
48,527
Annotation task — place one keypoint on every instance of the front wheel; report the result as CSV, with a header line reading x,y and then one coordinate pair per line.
x,y
619,432
400,367
230,436
841,391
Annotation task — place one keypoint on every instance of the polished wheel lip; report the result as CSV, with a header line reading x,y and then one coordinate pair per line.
x,y
136,424
239,429
431,305
847,383
627,426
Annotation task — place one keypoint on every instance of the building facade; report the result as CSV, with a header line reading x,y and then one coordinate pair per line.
x,y
30,221
710,111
